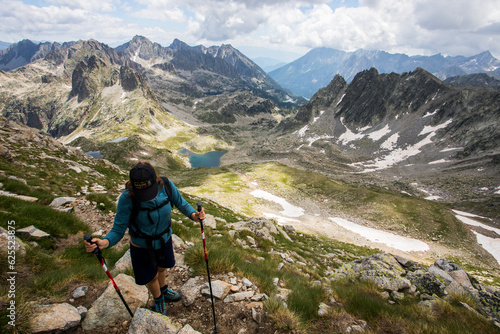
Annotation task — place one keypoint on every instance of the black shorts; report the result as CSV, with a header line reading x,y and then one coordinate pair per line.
x,y
144,267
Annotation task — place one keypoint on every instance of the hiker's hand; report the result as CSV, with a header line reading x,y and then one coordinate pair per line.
x,y
197,216
101,243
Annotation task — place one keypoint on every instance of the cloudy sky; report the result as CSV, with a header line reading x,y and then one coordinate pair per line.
x,y
284,29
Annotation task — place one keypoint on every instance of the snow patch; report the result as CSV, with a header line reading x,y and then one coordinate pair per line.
x,y
289,210
390,142
376,135
280,219
392,240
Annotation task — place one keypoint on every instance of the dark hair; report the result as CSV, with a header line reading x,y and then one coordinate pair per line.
x,y
128,185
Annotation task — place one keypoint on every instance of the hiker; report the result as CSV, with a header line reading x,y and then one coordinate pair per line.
x,y
144,207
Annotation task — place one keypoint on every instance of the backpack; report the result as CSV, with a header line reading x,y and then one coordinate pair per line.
x,y
133,227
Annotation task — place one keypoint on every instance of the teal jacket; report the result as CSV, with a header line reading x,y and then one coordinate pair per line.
x,y
160,217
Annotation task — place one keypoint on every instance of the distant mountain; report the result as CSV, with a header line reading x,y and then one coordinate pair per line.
x,y
218,76
381,121
306,75
4,45
25,52
480,81
85,89
268,64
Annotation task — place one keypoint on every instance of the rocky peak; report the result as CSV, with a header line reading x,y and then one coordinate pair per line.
x,y
179,45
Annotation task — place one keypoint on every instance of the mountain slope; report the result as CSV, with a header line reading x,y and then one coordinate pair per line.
x,y
87,89
214,84
314,70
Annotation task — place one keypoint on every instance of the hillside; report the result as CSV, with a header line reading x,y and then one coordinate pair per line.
x,y
306,75
252,256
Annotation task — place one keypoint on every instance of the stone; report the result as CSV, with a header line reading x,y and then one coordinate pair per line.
x,y
210,221
33,232
191,290
445,277
19,246
80,291
54,318
62,201
82,310
427,283
123,264
461,277
259,297
177,242
108,309
187,329
21,197
220,289
246,282
147,321
323,309
237,297
397,295
256,315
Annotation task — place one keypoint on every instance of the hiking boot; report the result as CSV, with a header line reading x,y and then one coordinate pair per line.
x,y
170,295
160,305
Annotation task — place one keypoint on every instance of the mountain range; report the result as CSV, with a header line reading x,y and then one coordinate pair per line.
x,y
306,75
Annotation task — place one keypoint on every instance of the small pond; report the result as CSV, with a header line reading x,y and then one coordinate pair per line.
x,y
210,159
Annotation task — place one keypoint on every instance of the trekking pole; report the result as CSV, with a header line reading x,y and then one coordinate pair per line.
x,y
98,253
215,329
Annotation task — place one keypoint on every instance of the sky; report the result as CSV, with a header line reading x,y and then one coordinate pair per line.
x,y
280,29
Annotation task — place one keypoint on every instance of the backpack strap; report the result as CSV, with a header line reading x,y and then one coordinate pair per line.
x,y
133,227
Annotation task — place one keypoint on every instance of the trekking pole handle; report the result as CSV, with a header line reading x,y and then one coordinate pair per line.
x,y
199,206
88,238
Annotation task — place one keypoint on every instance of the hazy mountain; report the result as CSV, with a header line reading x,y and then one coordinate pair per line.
x,y
4,45
315,69
268,64
216,84
481,81
87,89
25,52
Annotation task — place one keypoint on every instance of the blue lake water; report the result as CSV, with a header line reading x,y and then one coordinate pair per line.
x,y
95,154
210,159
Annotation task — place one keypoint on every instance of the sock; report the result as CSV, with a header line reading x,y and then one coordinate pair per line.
x,y
164,289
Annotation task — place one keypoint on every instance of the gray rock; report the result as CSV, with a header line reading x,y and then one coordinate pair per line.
x,y
108,309
191,290
187,329
246,282
237,297
210,221
82,310
54,318
33,232
382,269
147,321
427,282
62,201
19,246
256,315
323,309
397,295
177,242
123,264
80,291
447,279
446,265
461,277
220,289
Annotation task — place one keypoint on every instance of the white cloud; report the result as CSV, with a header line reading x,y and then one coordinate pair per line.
x,y
412,26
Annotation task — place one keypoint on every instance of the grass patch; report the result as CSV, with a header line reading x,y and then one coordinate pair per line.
x,y
105,202
57,224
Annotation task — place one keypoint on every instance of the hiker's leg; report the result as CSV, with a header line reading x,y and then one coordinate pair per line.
x,y
154,287
162,274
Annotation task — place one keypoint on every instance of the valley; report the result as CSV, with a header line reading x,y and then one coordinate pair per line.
x,y
403,164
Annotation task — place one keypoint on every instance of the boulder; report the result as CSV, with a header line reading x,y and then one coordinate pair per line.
x,y
19,246
147,321
382,269
62,201
191,290
54,318
80,291
220,289
123,264
33,232
237,297
427,282
108,309
188,330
